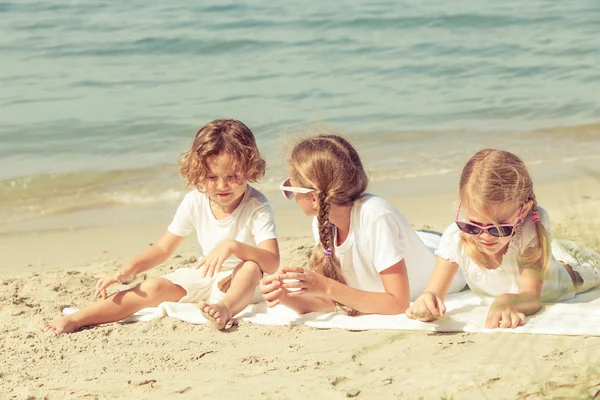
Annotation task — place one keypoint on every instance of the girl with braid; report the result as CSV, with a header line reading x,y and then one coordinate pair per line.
x,y
368,259
503,247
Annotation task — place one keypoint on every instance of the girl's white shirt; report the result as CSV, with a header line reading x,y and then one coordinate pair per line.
x,y
380,236
490,283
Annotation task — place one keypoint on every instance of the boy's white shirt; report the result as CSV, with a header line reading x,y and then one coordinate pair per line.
x,y
251,223
380,236
488,284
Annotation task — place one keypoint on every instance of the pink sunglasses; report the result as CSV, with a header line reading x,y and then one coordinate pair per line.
x,y
503,230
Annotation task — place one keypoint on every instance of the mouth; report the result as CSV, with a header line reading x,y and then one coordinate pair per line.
x,y
223,195
486,244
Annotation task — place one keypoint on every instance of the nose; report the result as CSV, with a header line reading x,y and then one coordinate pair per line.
x,y
485,235
222,184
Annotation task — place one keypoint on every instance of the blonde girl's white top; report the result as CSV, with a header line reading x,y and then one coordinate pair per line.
x,y
251,223
490,283
380,237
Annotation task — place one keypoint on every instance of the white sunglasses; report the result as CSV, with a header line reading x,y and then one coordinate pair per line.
x,y
288,190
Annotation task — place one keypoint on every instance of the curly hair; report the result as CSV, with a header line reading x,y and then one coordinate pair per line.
x,y
496,178
222,136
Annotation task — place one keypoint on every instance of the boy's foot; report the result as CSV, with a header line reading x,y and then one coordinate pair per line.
x,y
217,314
60,325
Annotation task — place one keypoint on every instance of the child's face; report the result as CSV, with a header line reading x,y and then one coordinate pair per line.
x,y
223,187
505,214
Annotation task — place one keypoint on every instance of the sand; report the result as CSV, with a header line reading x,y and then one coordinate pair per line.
x,y
40,274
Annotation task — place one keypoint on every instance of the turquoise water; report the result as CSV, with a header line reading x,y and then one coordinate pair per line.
x,y
99,98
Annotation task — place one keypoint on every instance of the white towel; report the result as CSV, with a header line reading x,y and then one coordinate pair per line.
x,y
465,313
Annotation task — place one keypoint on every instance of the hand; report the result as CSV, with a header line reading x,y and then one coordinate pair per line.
x,y
305,282
104,281
503,314
211,264
427,307
270,287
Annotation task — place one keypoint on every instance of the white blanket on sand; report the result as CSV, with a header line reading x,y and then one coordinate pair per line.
x,y
465,313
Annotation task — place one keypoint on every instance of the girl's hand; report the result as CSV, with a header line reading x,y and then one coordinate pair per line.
x,y
304,282
427,307
503,314
211,264
272,292
104,281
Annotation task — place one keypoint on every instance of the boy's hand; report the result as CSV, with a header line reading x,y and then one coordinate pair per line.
x,y
504,314
270,287
104,281
211,264
427,307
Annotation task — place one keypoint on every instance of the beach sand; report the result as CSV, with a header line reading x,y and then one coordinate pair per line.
x,y
42,273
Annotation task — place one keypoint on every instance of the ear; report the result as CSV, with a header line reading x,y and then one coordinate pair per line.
x,y
314,200
526,208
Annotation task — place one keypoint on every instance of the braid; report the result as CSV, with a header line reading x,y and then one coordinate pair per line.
x,y
327,266
538,256
325,234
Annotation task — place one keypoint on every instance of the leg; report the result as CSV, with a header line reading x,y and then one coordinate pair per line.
x,y
245,278
575,276
582,264
149,293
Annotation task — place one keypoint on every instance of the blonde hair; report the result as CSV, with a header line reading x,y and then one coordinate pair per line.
x,y
330,165
496,177
228,136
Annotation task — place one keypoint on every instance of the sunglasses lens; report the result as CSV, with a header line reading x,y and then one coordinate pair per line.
x,y
468,228
501,231
288,195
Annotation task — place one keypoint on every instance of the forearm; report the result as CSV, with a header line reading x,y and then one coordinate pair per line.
x,y
266,260
527,303
441,278
306,304
367,302
149,258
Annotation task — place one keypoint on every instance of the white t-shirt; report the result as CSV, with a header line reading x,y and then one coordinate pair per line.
x,y
490,283
251,223
380,237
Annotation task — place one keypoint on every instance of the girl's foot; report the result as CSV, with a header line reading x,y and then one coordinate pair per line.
x,y
217,314
60,325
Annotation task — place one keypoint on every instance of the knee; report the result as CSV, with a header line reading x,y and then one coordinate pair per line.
x,y
250,267
155,286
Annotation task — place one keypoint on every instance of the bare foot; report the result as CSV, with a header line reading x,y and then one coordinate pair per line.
x,y
217,314
60,325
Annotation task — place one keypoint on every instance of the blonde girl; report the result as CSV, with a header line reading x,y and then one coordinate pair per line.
x,y
367,259
235,231
501,242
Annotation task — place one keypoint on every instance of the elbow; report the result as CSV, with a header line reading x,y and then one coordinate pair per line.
x,y
398,306
270,267
533,307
